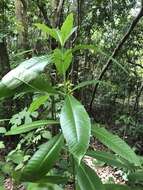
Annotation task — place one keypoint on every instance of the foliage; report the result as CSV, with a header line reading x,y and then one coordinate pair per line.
x,y
73,124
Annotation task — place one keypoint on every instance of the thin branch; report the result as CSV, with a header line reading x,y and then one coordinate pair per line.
x,y
43,9
59,12
116,51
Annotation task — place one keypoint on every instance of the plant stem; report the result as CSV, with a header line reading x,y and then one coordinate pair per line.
x,y
64,75
73,169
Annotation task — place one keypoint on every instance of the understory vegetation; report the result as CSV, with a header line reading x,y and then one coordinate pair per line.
x,y
71,104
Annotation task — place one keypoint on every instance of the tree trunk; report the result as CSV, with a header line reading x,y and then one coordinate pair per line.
x,y
21,15
5,68
4,59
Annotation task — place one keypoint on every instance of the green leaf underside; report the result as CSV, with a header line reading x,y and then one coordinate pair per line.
x,y
31,126
43,160
76,127
26,71
26,78
88,179
116,144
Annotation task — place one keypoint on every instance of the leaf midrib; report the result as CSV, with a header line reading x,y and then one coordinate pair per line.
x,y
117,147
55,145
73,118
90,182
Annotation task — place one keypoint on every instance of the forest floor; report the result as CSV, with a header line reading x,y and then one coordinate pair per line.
x,y
107,174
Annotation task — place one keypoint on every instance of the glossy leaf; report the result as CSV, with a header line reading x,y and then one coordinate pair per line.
x,y
43,160
109,158
116,144
88,179
62,60
76,126
25,78
26,71
37,103
40,84
31,126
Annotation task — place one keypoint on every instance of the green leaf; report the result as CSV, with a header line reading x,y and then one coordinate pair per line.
x,y
37,103
3,120
116,144
136,176
2,130
86,83
62,60
36,186
2,187
25,78
43,160
2,145
31,126
53,179
53,32
116,187
26,71
5,91
16,156
88,179
59,36
76,126
47,30
39,84
67,28
109,158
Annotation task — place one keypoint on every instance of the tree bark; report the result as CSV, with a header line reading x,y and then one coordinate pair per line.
x,y
5,68
21,15
42,7
75,65
4,59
